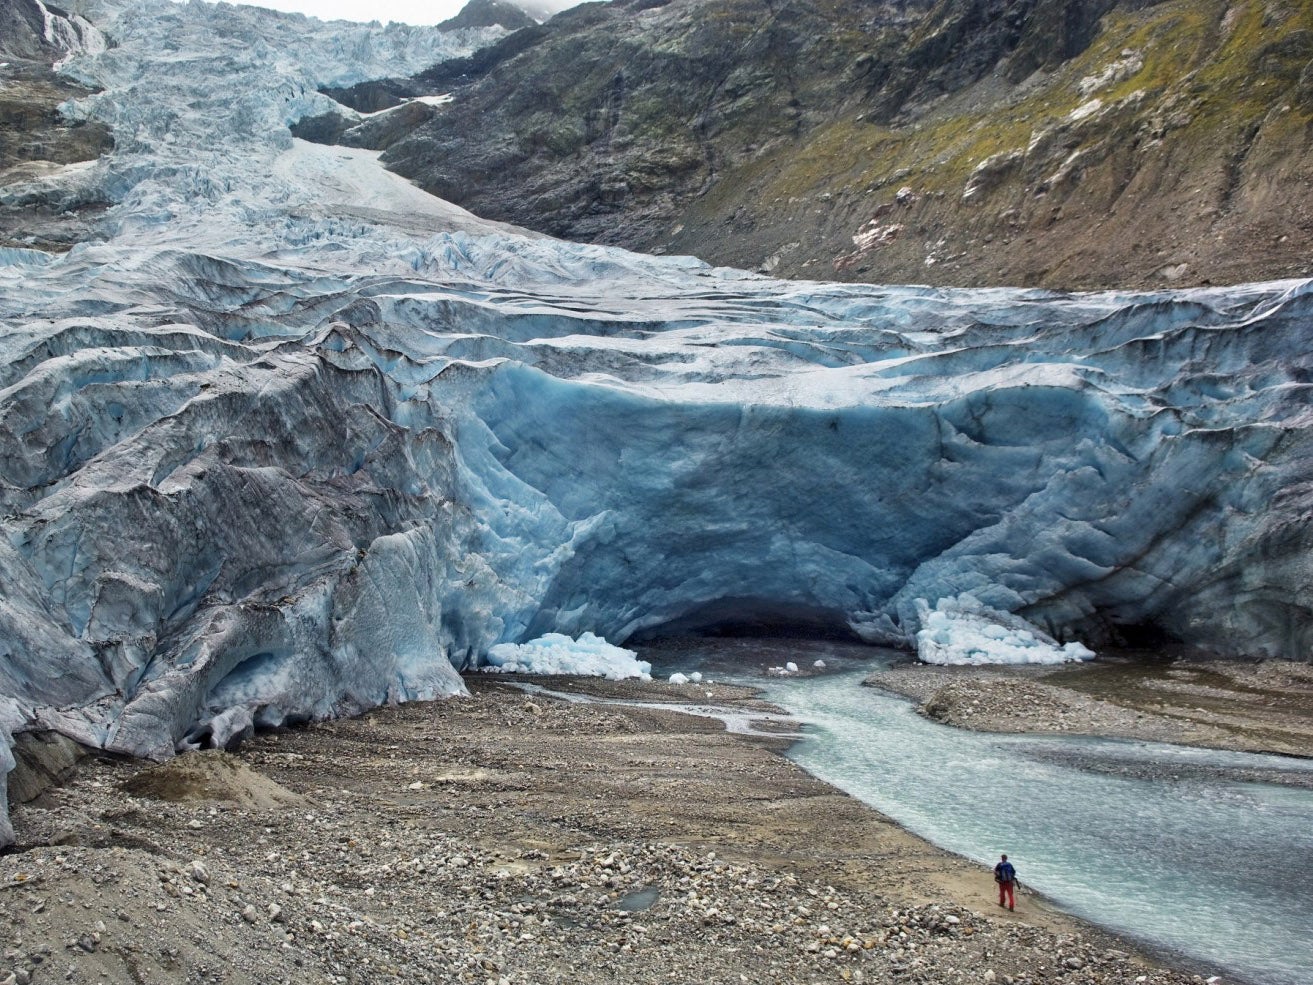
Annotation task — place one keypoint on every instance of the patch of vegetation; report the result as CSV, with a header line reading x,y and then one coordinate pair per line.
x,y
1223,64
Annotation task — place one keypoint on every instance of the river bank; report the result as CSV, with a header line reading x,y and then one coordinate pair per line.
x,y
1248,707
509,838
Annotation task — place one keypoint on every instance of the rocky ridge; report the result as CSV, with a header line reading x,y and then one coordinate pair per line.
x,y
488,13
1030,142
36,138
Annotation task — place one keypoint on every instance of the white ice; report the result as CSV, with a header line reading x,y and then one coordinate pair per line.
x,y
555,653
963,631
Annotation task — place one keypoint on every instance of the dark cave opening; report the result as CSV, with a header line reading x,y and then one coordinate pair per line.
x,y
753,617
1142,636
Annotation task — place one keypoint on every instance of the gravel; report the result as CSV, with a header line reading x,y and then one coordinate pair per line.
x,y
558,843
1256,707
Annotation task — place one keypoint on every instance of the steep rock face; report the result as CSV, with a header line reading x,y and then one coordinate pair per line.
x,y
970,142
34,133
1173,150
36,137
38,31
488,13
622,112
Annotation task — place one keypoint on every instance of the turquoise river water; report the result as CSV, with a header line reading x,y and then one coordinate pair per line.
x,y
1178,848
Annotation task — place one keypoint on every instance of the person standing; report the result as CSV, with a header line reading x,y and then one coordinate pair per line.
x,y
1006,877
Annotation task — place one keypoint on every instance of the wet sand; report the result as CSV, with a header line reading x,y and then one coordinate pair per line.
x,y
1251,707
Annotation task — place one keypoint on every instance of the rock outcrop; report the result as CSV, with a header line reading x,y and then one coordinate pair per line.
x,y
968,142
35,31
488,13
36,138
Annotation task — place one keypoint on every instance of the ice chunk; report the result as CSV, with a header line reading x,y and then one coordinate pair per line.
x,y
678,678
962,630
556,653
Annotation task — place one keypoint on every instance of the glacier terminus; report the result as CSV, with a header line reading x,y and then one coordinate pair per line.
x,y
289,438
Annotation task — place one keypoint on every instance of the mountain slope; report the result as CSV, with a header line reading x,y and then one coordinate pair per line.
x,y
488,13
974,142
36,137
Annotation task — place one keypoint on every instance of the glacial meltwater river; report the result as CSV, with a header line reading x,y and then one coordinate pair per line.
x,y
1172,846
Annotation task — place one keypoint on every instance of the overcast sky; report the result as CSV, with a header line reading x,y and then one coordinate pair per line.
x,y
407,11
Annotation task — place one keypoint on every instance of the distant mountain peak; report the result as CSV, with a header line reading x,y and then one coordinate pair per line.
x,y
489,13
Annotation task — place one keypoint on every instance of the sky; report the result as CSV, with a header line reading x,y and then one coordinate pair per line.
x,y
407,11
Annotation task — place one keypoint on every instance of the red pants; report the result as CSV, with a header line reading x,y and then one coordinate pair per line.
x,y
1006,888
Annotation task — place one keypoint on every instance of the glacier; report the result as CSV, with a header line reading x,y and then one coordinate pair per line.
x,y
289,438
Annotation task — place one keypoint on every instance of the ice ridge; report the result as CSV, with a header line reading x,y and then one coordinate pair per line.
x,y
292,439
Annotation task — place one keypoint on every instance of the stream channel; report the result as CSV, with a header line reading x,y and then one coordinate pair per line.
x,y
1178,848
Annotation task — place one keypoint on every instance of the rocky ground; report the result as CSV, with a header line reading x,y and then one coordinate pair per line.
x,y
1258,707
507,838
36,138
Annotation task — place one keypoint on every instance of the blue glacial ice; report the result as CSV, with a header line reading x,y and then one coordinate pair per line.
x,y
290,438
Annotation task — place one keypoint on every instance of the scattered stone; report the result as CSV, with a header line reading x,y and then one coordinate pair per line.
x,y
536,860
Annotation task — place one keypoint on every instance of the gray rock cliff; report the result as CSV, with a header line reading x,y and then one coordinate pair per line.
x,y
1064,143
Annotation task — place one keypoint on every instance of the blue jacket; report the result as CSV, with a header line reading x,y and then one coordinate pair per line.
x,y
1004,872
